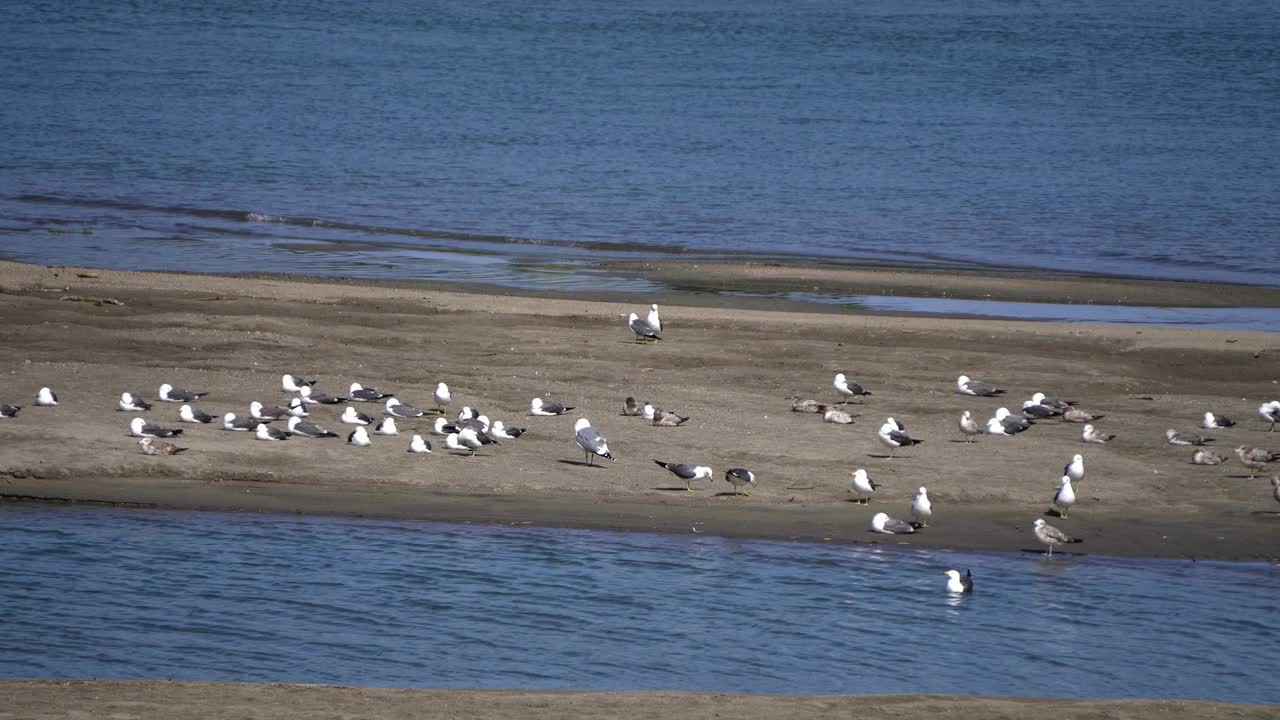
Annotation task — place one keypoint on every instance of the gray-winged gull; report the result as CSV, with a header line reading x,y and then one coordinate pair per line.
x,y
129,403
538,406
1051,536
882,523
263,413
1173,437
1012,423
294,383
738,477
139,427
1213,421
359,437
46,398
921,508
1065,497
958,584
298,426
418,445
312,396
967,386
862,486
298,408
642,329
9,411
266,432
892,437
686,471
1074,468
500,431
169,393
1090,434
360,393
351,416
189,414
1055,403
1036,411
847,388
591,441
1270,411
231,422
398,409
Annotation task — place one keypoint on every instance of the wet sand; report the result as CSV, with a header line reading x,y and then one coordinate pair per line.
x,y
731,367
143,700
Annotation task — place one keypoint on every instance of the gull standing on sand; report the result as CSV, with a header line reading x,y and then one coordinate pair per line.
x,y
188,414
359,393
231,422
398,409
642,329
141,428
46,398
538,407
351,416
921,508
1075,468
169,393
1213,421
418,445
1173,437
293,383
359,437
1076,415
261,413
737,477
387,427
653,319
958,584
1051,536
266,432
686,472
9,411
847,388
966,386
862,486
312,396
892,437
591,441
968,426
1205,456
128,403
1255,458
152,446
298,426
1065,497
1270,411
1092,435
442,396
882,523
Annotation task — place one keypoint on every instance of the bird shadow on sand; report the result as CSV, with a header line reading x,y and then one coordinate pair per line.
x,y
729,493
1054,513
673,489
963,442
889,457
580,463
1266,513
1241,476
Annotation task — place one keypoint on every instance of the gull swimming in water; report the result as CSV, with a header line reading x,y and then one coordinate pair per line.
x,y
538,406
653,318
1213,421
1076,415
266,432
298,426
1173,437
129,403
862,486
738,477
1255,458
359,437
921,508
1205,456
9,411
351,416
387,427
847,388
188,414
231,422
643,330
398,409
46,398
152,446
958,584
966,386
1065,497
1075,468
882,523
686,472
1051,536
968,426
141,428
359,393
591,441
312,396
666,418
1270,411
169,393
294,383
418,445
442,396
1092,435
838,417
266,414
892,436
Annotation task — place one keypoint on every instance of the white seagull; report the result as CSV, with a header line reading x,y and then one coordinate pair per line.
x,y
847,388
443,398
862,486
298,426
1212,421
351,416
1065,497
892,437
46,398
169,393
129,403
654,321
1092,435
643,330
958,584
591,441
141,428
686,472
359,393
359,437
231,422
539,407
260,412
499,431
298,408
737,477
188,414
387,427
1075,468
266,432
398,409
418,445
921,508
1270,411
312,396
882,523
966,386
294,383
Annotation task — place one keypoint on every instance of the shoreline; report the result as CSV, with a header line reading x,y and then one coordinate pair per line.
x,y
731,366
145,699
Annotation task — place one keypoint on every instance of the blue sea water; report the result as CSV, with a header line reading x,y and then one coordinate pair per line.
x,y
98,593
1117,137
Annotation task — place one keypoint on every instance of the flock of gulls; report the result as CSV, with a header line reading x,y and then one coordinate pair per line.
x,y
469,431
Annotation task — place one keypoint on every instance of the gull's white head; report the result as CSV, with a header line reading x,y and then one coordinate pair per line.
x,y
582,423
878,521
228,418
135,425
165,389
632,317
701,471
1037,398
962,381
994,427
354,387
654,307
1002,413
1039,522
840,378
1065,482
439,426
1088,430
921,492
392,401
535,404
388,427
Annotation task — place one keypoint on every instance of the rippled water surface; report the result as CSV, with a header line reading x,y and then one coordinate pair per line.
x,y
211,596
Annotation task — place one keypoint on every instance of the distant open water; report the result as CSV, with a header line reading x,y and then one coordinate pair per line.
x,y
211,596
1116,137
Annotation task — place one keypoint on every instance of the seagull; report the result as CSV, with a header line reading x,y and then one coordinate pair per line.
x,y
738,477
128,403
480,424
294,383
686,472
838,417
1076,415
882,523
152,446
9,411
1275,484
847,388
642,329
1075,468
298,408
1212,421
444,427
499,431
169,393
468,439
1065,497
351,416
591,441
231,422
893,437
654,321
1036,411
921,508
398,409
1173,437
862,486
141,428
995,427
443,398
647,411
1205,456
1093,435
803,405
418,445
188,414
1055,403
631,407
1270,411
968,427
312,396
298,426
538,407
1255,458
666,418
466,413
958,584
1012,423
259,412
965,386
359,437
360,393
1051,536
266,432
387,427
46,398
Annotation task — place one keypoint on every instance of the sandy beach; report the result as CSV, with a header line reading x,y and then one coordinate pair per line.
x,y
730,368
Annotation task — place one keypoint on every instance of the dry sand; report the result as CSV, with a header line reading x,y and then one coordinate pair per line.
x,y
56,700
730,368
